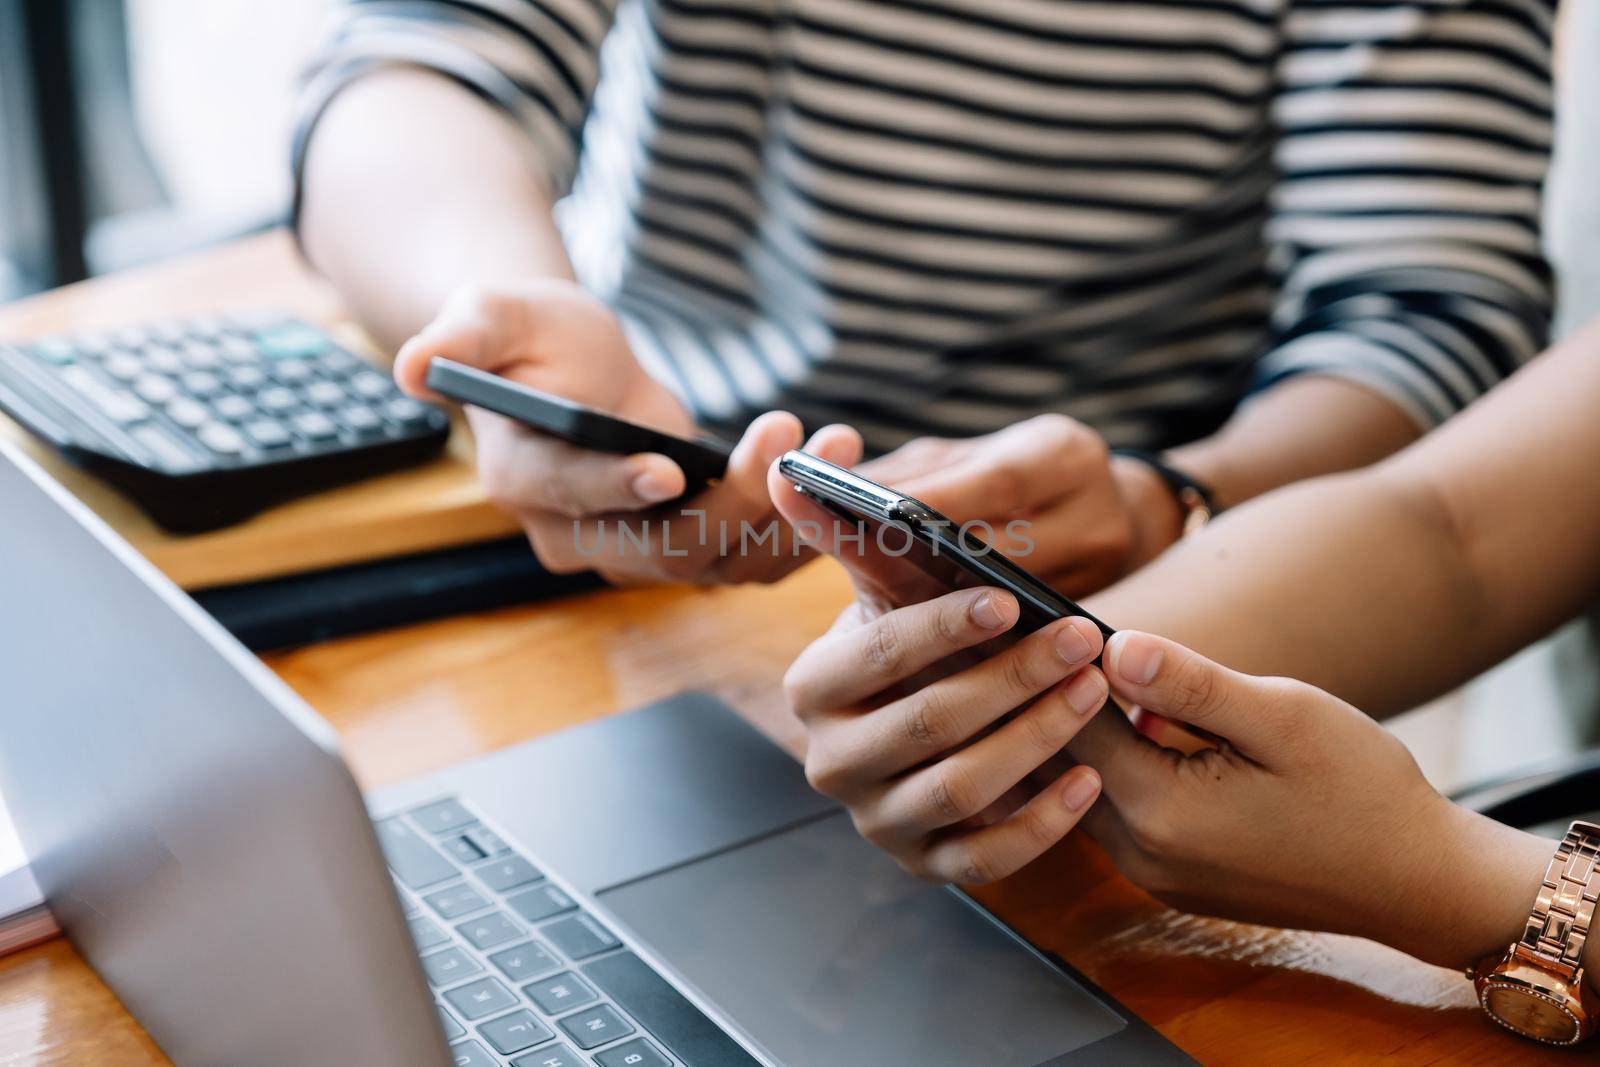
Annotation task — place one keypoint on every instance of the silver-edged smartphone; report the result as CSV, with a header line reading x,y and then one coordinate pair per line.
x,y
948,552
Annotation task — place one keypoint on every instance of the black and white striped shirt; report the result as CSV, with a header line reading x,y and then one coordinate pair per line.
x,y
942,216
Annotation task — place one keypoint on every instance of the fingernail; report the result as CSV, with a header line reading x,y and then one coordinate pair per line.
x,y
1083,788
1138,658
986,612
652,485
1071,645
1086,692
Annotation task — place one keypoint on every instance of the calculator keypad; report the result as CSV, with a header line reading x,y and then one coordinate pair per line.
x,y
204,421
231,391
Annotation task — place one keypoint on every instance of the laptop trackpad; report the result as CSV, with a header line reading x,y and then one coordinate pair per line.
x,y
824,952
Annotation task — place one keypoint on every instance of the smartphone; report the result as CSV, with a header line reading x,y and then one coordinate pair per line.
x,y
950,554
702,459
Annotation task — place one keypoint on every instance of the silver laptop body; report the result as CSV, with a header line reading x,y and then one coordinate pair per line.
x,y
667,871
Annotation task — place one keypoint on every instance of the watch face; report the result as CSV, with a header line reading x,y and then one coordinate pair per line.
x,y
1531,1014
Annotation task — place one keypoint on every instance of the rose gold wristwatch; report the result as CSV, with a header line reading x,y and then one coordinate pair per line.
x,y
1538,988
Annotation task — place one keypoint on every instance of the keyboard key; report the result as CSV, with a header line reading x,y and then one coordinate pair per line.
x,y
406,412
234,408
221,438
462,848
410,907
515,1032
481,999
560,992
116,405
371,385
338,361
635,1053
237,350
360,419
290,339
155,389
426,934
508,873
94,345
663,1011
442,816
456,900
541,902
268,434
247,376
168,453
448,1024
124,366
131,337
493,929
489,842
200,355
187,413
315,426
413,860
57,350
471,1054
595,1026
448,966
163,360
278,399
202,384
292,371
579,936
525,961
325,394
557,1055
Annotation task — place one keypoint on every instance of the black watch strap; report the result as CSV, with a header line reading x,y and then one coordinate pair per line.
x,y
1194,496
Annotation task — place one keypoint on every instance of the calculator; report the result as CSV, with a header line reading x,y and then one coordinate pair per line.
x,y
206,421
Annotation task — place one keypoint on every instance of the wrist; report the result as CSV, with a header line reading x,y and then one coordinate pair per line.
x,y
1155,510
1471,898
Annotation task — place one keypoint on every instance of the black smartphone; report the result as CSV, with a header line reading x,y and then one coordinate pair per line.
x,y
908,531
702,459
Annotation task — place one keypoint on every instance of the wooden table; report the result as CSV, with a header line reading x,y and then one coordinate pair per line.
x,y
414,700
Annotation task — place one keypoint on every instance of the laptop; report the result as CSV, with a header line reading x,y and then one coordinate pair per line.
x,y
656,888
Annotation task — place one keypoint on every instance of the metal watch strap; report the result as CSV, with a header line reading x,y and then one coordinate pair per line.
x,y
1564,910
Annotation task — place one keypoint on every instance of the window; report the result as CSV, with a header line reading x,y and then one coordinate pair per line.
x,y
132,130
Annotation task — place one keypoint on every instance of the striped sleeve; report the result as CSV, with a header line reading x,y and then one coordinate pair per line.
x,y
538,60
1413,144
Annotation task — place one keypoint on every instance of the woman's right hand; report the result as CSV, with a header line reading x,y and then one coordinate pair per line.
x,y
551,334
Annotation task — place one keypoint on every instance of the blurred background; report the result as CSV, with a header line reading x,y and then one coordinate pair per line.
x,y
136,130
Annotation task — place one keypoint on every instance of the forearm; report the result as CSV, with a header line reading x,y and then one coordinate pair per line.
x,y
1301,428
413,187
1391,585
1344,582
1305,427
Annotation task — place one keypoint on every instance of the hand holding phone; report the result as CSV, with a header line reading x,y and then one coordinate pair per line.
x,y
681,538
906,551
938,706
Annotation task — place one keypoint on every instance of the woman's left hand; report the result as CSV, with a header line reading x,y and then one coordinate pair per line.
x,y
1306,814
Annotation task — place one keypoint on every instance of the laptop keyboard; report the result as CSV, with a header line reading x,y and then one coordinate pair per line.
x,y
523,975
